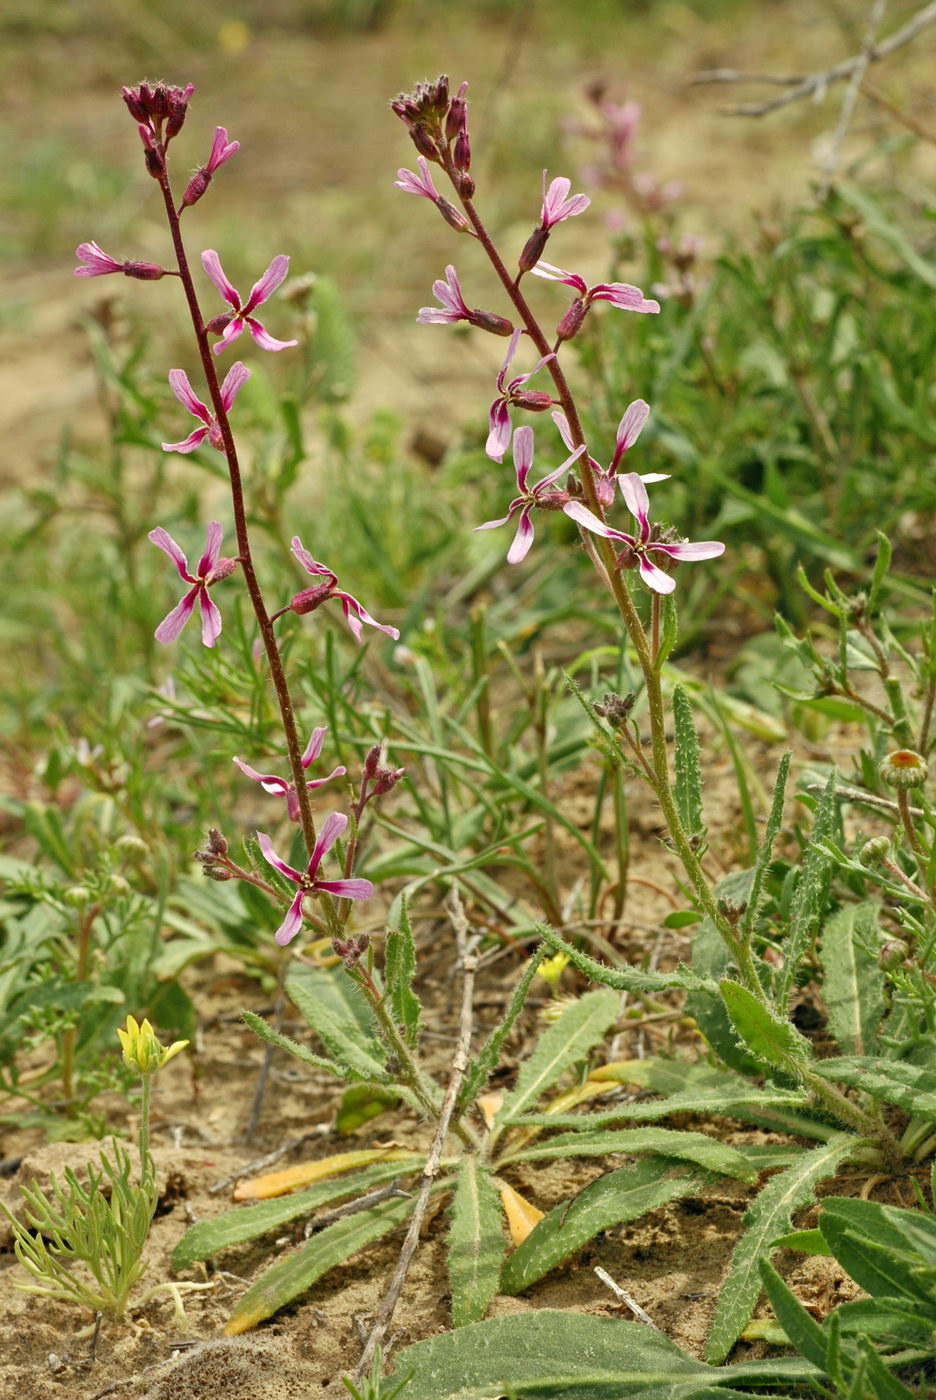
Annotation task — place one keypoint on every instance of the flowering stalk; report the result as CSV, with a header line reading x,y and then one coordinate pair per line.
x,y
604,558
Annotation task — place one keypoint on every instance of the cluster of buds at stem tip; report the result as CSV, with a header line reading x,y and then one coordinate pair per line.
x,y
159,111
616,708
375,780
438,128
214,859
141,1049
351,950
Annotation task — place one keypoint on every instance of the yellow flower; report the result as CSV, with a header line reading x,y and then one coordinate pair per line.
x,y
551,969
142,1051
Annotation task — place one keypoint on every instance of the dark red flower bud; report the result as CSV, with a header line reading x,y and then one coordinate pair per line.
x,y
533,249
155,165
135,106
462,152
217,842
143,271
466,185
457,118
310,598
219,324
371,763
452,217
571,323
490,321
424,143
178,101
386,779
440,93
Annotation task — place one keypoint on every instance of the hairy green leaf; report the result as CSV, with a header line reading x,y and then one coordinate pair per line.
x,y
698,1148
804,1332
910,1087
624,979
765,853
482,1066
853,983
400,969
730,1100
476,1243
563,1044
335,1009
286,1042
688,755
625,1194
769,1216
244,1223
771,1038
810,894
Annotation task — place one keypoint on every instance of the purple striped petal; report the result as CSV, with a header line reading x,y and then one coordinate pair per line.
x,y
637,501
266,285
180,386
230,333
212,265
266,846
314,747
278,787
580,513
346,889
334,825
523,456
292,923
163,540
498,438
523,539
234,381
210,619
173,622
189,444
700,549
263,338
212,548
655,578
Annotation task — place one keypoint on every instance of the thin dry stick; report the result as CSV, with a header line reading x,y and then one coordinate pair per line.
x,y
833,154
626,1298
468,959
816,83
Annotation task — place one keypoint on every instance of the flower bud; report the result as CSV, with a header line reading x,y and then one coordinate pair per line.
x,y
456,119
196,187
178,101
533,249
466,184
310,598
371,763
903,769
77,896
616,708
385,779
571,323
142,1051
462,152
118,885
452,217
133,847
217,843
424,143
219,324
892,954
875,850
155,165
533,400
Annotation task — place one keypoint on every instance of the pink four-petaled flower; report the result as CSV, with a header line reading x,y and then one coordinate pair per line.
x,y
308,881
281,787
453,306
234,381
418,184
209,570
530,497
311,598
260,292
640,549
511,392
629,430
556,202
620,294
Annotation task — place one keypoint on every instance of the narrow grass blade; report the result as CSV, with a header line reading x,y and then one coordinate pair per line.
x,y
476,1243
769,1216
565,1042
625,1194
295,1274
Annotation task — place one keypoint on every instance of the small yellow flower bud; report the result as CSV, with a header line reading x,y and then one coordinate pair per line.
x,y
551,969
141,1049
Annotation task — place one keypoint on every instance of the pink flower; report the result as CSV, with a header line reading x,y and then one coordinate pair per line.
x,y
311,598
97,263
209,570
418,184
453,306
530,497
221,150
261,291
512,393
638,550
556,202
234,380
629,430
280,787
620,294
309,883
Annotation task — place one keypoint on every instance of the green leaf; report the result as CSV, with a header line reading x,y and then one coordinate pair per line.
x,y
244,1223
336,1010
807,1241
286,1042
625,1194
476,1243
551,1355
881,224
698,1148
624,979
853,983
765,853
886,1386
483,1065
400,969
563,1044
362,1102
688,1101
810,894
688,788
804,1332
771,1038
882,1247
297,1272
770,1215
910,1087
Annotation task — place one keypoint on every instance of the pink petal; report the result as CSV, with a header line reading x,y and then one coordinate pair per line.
x,y
347,889
354,611
655,578
630,426
263,338
189,444
637,500
334,825
512,344
278,787
338,772
434,316
292,923
230,333
266,846
173,622
624,296
212,265
580,513
314,747
554,476
559,274
266,285
234,381
221,149
210,619
523,456
99,262
163,540
562,423
499,431
701,549
493,524
522,379
213,538
523,539
308,563
180,386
